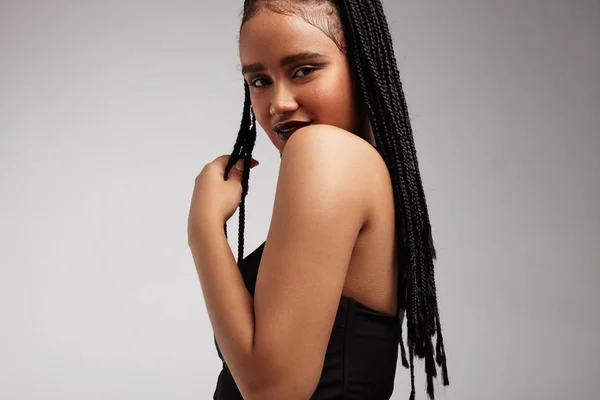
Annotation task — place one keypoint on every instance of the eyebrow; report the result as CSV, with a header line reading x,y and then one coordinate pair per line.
x,y
284,61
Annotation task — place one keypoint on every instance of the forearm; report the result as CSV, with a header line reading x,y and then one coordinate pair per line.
x,y
229,304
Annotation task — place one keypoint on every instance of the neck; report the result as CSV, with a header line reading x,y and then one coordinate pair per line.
x,y
367,133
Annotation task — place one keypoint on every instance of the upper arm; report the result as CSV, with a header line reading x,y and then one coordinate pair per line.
x,y
318,212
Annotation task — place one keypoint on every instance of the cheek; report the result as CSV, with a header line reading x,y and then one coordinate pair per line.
x,y
263,118
334,101
261,112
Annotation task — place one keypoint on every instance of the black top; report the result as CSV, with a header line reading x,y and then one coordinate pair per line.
x,y
361,357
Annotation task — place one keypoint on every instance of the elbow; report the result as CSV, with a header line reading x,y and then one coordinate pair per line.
x,y
276,381
297,390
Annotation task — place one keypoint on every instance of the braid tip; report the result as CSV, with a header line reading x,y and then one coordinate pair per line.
x,y
402,349
445,379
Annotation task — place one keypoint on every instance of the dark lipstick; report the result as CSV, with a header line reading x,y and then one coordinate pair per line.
x,y
285,129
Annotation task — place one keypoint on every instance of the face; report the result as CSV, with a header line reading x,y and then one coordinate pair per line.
x,y
316,87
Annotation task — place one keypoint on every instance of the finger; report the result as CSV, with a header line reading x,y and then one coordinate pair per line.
x,y
240,164
223,159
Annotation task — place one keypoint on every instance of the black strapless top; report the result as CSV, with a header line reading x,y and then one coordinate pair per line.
x,y
361,357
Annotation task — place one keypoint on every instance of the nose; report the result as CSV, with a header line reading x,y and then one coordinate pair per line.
x,y
282,101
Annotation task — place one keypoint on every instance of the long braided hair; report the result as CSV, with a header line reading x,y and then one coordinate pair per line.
x,y
360,29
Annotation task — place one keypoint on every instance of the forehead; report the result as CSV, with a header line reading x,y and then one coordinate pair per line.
x,y
270,34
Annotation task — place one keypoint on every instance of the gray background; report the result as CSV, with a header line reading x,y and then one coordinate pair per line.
x,y
109,109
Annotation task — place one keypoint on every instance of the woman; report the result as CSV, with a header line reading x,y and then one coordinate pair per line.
x,y
349,247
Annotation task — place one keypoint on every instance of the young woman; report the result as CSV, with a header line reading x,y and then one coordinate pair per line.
x,y
349,248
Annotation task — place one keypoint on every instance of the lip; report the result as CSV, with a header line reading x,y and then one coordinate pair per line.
x,y
285,129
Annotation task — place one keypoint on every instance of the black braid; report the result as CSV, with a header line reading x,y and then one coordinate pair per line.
x,y
368,45
243,150
371,46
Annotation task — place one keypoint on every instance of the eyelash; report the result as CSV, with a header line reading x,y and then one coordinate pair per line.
x,y
311,68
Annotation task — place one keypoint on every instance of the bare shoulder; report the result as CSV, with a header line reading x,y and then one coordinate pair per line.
x,y
339,145
330,163
341,159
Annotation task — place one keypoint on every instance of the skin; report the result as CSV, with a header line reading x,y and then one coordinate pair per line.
x,y
318,89
329,236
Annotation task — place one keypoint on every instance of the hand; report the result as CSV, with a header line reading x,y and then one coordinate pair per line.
x,y
215,199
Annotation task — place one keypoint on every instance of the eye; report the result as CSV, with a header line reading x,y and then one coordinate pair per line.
x,y
306,71
253,83
311,69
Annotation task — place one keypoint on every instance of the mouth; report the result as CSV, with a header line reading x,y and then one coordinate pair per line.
x,y
285,130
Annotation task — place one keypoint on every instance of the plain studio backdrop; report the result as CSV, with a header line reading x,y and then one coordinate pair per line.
x,y
109,110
